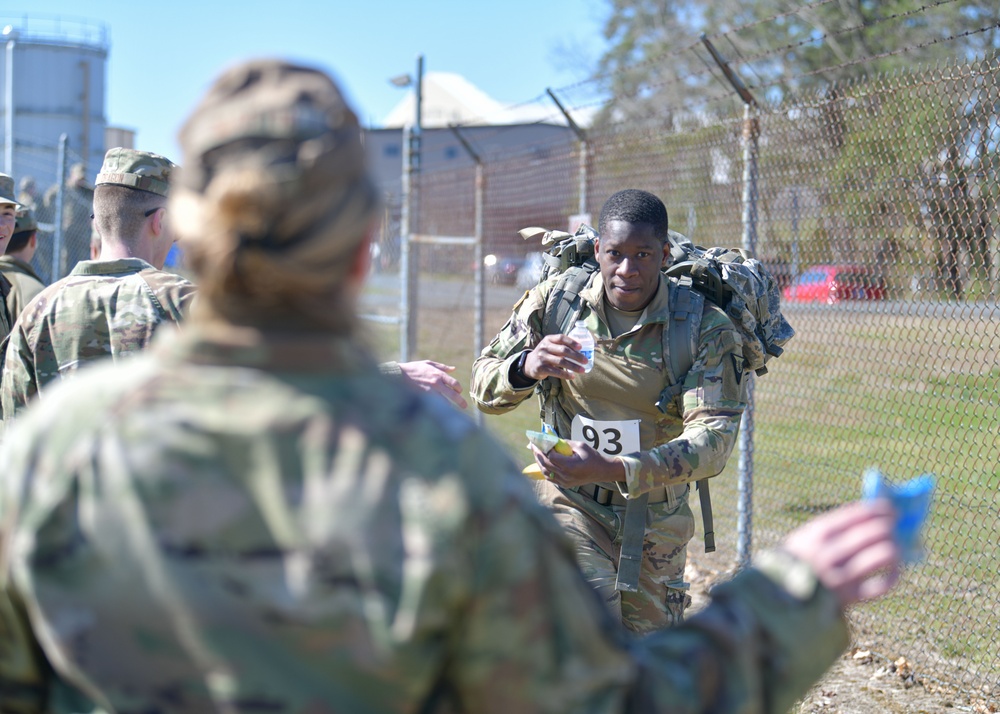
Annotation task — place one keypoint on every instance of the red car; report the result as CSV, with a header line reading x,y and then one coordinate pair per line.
x,y
833,283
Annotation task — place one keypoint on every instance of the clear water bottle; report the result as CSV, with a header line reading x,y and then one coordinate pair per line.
x,y
581,334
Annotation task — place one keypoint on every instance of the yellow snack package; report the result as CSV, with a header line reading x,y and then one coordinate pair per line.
x,y
545,443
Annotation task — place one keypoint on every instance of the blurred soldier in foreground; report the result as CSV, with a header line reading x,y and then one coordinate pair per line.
x,y
249,516
8,222
105,307
15,264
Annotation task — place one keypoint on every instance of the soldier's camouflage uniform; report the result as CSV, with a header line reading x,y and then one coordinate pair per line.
x,y
103,308
692,440
234,522
25,283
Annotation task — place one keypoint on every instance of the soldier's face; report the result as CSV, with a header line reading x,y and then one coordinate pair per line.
x,y
8,218
630,256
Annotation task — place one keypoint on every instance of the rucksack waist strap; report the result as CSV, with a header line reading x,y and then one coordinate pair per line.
x,y
612,497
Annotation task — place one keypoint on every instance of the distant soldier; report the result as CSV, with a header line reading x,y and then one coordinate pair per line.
x,y
78,206
15,264
250,517
28,194
8,221
108,307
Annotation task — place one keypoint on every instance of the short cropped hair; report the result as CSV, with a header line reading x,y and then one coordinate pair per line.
x,y
637,207
19,240
119,211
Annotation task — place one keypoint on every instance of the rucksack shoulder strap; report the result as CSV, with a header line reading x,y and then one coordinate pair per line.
x,y
680,335
564,303
680,343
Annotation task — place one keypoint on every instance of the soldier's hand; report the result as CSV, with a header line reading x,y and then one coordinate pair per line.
x,y
433,377
851,549
555,356
585,465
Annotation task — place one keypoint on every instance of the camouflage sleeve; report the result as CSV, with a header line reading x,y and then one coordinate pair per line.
x,y
391,369
19,382
766,637
533,636
712,403
491,388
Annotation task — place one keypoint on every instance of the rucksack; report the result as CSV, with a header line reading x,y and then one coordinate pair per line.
x,y
730,278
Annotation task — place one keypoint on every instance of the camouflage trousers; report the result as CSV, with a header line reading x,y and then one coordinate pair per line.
x,y
662,596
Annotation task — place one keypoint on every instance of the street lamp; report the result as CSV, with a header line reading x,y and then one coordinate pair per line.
x,y
408,217
10,33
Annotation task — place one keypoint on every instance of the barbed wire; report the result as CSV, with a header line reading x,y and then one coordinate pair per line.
x,y
839,33
883,55
728,34
772,18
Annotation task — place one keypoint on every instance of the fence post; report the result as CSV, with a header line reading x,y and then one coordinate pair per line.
x,y
584,152
57,219
8,145
751,132
408,256
479,307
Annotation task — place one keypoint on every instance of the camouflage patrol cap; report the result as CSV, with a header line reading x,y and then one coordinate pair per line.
x,y
25,220
287,130
136,169
7,190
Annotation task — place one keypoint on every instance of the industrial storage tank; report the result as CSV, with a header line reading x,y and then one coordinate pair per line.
x,y
52,82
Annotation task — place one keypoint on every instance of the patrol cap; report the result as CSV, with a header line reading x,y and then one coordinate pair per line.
x,y
7,190
25,220
136,169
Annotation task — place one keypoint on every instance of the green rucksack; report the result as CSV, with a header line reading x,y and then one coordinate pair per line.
x,y
737,283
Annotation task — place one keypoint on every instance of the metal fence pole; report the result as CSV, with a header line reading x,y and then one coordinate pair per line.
x,y
404,253
751,133
8,146
584,153
57,219
409,268
478,336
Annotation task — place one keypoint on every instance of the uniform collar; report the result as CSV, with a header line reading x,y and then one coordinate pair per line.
x,y
110,267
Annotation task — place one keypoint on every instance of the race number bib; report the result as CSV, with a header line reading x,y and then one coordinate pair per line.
x,y
613,438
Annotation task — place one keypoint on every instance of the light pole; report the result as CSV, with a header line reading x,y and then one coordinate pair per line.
x,y
408,257
10,33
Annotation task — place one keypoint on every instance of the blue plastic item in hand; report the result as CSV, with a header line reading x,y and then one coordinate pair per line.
x,y
912,501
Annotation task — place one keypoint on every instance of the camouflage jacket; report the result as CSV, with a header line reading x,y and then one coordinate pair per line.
x,y
6,319
101,309
690,441
234,521
25,282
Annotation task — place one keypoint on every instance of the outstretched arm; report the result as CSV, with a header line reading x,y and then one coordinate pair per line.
x,y
431,376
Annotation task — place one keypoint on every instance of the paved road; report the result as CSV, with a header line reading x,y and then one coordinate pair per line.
x,y
381,295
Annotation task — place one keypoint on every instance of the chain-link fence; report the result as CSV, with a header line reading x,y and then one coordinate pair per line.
x,y
877,207
52,179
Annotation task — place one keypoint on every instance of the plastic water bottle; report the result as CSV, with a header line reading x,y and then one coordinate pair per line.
x,y
581,334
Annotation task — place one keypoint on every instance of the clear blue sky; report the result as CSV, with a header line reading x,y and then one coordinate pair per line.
x,y
163,55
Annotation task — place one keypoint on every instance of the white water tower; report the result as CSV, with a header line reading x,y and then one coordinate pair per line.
x,y
52,82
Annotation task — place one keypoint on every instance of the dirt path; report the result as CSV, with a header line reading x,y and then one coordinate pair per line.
x,y
858,683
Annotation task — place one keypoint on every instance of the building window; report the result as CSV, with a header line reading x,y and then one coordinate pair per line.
x,y
391,150
451,152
